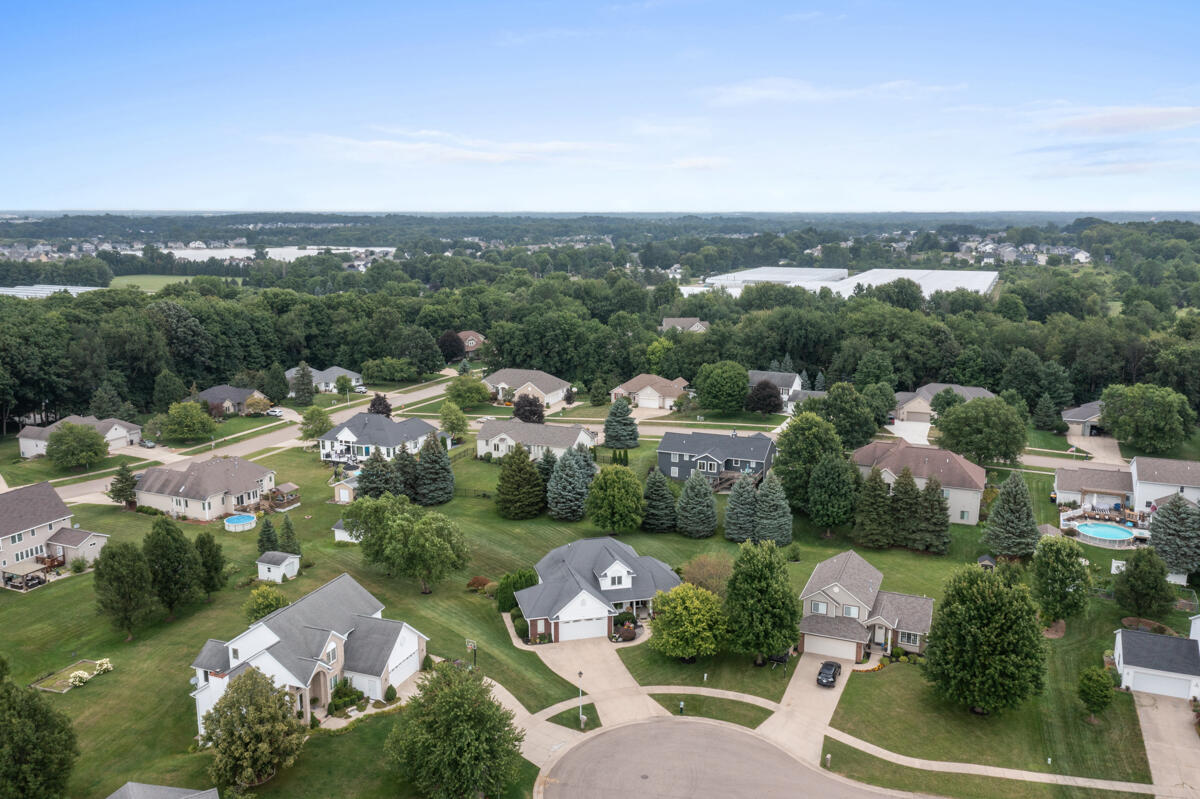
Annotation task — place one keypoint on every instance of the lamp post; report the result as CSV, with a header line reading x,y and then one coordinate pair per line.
x,y
581,699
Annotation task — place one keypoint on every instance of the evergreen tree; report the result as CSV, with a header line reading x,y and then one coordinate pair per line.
x,y
212,564
1175,534
620,429
772,514
761,608
832,492
934,518
106,403
567,489
1045,415
380,405
404,473
268,539
37,743
519,490
434,483
1011,527
375,476
122,584
302,385
873,515
275,383
659,516
786,365
123,488
819,384
696,511
740,510
1142,588
906,511
545,466
774,365
614,501
287,537
805,383
168,389
175,569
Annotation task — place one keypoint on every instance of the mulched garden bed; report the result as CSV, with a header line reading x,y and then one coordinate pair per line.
x,y
59,681
1147,625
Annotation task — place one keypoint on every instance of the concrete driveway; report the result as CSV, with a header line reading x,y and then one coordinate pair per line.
x,y
806,709
1172,746
1104,449
912,432
606,681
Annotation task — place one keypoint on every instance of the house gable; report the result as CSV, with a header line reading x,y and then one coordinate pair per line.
x,y
583,606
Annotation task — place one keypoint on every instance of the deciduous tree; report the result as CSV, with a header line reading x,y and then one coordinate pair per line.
x,y
696,510
881,400
1095,691
764,398
37,743
688,623
709,570
380,405
168,389
874,367
451,346
722,386
453,420
984,429
944,400
804,441
175,569
263,600
123,586
253,731
467,392
314,423
530,409
76,446
1060,580
188,421
429,550
761,608
614,500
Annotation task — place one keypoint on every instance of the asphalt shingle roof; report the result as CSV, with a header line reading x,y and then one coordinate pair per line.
x,y
1083,413
907,612
370,643
777,379
102,426
834,627
1160,652
851,572
30,506
140,790
329,375
515,378
225,392
665,387
1167,470
71,537
273,558
721,446
380,431
530,434
1091,479
214,656
204,479
951,469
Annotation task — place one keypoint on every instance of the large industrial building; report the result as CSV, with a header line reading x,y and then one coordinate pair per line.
x,y
840,282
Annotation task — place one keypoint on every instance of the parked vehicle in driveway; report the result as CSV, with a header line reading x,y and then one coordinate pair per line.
x,y
147,443
828,673
360,389
275,412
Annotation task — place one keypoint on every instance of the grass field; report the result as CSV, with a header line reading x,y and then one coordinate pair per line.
x,y
714,707
233,426
1044,439
1053,725
737,417
234,439
582,410
1189,450
570,718
148,283
18,472
727,672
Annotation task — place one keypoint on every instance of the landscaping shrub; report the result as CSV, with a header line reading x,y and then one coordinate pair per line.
x,y
306,564
487,457
78,565
491,588
521,627
897,652
149,511
511,583
476,584
389,695
344,695
427,663
313,723
516,613
793,552
622,618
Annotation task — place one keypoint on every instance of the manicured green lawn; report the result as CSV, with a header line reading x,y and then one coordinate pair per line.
x,y
570,718
917,723
1189,450
727,672
737,417
148,283
1044,439
715,707
583,410
321,400
233,426
200,450
18,472
858,765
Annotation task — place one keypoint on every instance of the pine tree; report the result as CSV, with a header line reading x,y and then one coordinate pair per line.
x,y
934,518
545,466
302,385
106,403
375,476
620,429
287,537
740,511
275,383
659,516
1045,415
268,540
434,481
819,385
873,516
123,488
774,365
404,473
696,511
804,381
519,489
786,364
906,511
168,389
567,489
772,514
175,570
1175,534
1011,527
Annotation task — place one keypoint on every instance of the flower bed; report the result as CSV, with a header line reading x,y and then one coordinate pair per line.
x,y
74,676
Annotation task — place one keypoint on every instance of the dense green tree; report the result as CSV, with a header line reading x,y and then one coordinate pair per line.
x,y
944,400
772,514
934,518
106,403
1060,580
467,392
529,409
722,386
451,346
512,582
375,476
567,489
761,608
1045,415
404,473
881,400
688,623
76,446
275,384
696,510
906,511
709,570
1142,588
302,386
1056,384
873,514
287,537
659,504
434,481
1175,532
804,441
123,488
342,386
370,522
37,743
985,648
620,429
314,423
1013,398
874,367
168,389
614,500
1011,527
832,492
427,551
984,429
253,731
188,421
268,539
123,586
175,568
849,413
764,398
740,521
263,601
1151,418
379,405
1095,691
212,564
519,490
545,466
453,420
454,739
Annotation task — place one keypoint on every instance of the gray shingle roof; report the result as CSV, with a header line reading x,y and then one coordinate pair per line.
x,y
204,479
801,394
834,627
380,431
329,375
226,392
71,537
529,434
1167,470
515,378
30,506
370,643
665,387
214,656
273,558
1086,412
1160,652
681,322
575,567
721,446
140,790
1088,478
951,469
930,390
851,572
905,612
777,379
102,426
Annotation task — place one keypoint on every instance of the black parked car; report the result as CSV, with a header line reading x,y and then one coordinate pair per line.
x,y
828,673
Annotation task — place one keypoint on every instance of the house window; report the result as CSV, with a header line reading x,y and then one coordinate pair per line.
x,y
332,656
16,539
911,639
674,471
946,493
819,607
233,653
674,457
964,515
206,675
850,611
332,681
616,579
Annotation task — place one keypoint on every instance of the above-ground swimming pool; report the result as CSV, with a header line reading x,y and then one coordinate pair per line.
x,y
243,521
1112,532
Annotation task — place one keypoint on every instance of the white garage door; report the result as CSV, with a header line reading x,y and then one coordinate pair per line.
x,y
830,647
917,416
582,628
404,669
1161,684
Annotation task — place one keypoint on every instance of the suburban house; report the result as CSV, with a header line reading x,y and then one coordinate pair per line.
x,y
845,613
32,440
650,391
334,633
207,489
1084,419
913,406
471,341
546,387
345,490
583,584
277,566
231,398
1156,479
785,382
325,380
140,790
717,455
797,398
36,535
501,436
1093,487
687,324
360,435
962,481
1160,664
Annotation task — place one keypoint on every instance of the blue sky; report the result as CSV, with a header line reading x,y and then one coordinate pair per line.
x,y
622,106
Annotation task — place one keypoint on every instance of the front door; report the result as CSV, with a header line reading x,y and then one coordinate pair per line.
x,y
880,634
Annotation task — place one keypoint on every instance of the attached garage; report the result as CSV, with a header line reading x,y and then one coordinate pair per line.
x,y
1166,685
830,647
404,669
1159,664
583,628
917,416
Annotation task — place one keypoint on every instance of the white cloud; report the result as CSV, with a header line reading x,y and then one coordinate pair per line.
x,y
791,90
442,146
1128,119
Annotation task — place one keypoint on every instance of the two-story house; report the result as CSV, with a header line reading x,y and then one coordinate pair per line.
x,y
714,454
1156,479
784,382
334,633
501,436
364,433
207,489
472,341
583,584
36,534
845,613
962,481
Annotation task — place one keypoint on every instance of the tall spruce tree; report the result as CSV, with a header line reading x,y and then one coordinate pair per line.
x,y
786,365
175,570
287,537
906,511
545,467
519,490
819,383
375,476
934,518
1011,526
696,511
659,516
772,514
740,510
873,515
302,385
404,473
1175,533
268,539
123,488
567,489
620,429
106,403
1045,415
434,481
275,383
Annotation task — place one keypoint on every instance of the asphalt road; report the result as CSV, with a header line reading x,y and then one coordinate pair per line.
x,y
684,759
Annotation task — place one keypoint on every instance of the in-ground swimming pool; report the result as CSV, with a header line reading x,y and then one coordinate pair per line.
x,y
240,522
1112,532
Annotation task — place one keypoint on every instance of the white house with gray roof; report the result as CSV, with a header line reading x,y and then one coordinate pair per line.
x,y
784,382
679,454
207,489
37,534
1156,479
534,382
324,380
583,584
362,434
501,436
845,613
334,633
1159,664
141,790
33,440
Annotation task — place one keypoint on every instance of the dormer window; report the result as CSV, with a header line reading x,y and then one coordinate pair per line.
x,y
616,579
